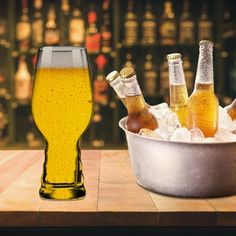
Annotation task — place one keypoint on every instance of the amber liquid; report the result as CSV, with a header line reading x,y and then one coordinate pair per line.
x,y
203,109
232,110
138,114
62,109
179,102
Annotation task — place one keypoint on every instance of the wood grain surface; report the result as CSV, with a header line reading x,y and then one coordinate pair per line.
x,y
113,197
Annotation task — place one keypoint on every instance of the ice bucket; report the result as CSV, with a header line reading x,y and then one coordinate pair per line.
x,y
182,169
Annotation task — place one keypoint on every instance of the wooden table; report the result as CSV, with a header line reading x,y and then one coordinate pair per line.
x,y
113,197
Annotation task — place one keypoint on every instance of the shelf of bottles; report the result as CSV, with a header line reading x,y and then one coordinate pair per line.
x,y
115,33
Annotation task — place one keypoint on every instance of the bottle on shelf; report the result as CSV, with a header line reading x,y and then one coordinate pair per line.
x,y
37,24
65,21
149,26
106,34
77,26
203,103
231,110
228,23
3,32
23,29
93,37
168,28
3,85
149,77
101,86
205,24
22,81
188,71
52,33
139,115
114,79
129,60
130,26
101,93
186,26
65,7
177,88
164,78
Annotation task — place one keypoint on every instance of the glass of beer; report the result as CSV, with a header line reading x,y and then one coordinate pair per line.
x,y
62,106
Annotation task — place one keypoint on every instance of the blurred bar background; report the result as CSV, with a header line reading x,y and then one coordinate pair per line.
x,y
115,33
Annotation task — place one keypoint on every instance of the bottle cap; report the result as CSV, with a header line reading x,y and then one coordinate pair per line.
x,y
127,72
173,56
202,42
112,76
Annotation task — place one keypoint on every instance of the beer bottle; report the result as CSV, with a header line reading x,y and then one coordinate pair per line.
x,y
178,89
231,110
203,103
115,82
138,114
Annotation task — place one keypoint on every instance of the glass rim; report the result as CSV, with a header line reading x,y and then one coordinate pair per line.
x,y
62,48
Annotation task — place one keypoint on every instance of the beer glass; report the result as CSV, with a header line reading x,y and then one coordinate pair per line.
x,y
62,107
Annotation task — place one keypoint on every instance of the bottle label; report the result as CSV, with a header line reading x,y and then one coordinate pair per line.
x,y
52,36
37,32
131,87
22,31
76,31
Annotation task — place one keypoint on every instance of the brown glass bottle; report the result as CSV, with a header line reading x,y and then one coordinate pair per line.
x,y
138,114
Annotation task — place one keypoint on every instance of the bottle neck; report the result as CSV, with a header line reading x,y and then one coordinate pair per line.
x,y
176,73
118,87
205,66
131,87
133,96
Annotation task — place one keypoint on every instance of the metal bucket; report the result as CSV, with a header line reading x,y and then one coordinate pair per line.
x,y
180,168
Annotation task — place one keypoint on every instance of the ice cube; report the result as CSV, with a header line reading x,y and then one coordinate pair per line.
x,y
182,135
224,135
163,133
196,135
225,121
172,120
159,106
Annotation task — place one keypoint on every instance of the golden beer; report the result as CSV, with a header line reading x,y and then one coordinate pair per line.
x,y
203,109
177,87
62,108
179,102
203,104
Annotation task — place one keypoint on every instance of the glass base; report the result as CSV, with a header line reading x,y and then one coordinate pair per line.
x,y
62,192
